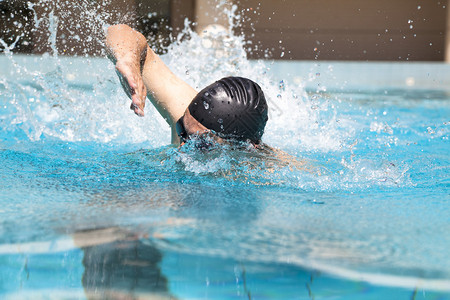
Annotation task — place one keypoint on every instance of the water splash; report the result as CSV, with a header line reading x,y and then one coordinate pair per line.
x,y
198,59
80,100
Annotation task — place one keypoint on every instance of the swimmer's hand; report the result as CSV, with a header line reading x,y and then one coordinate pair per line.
x,y
129,73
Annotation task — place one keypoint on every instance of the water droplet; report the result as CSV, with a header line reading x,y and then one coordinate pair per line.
x,y
281,85
187,72
206,105
220,120
419,7
282,54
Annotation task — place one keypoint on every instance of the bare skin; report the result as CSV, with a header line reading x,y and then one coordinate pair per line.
x,y
143,73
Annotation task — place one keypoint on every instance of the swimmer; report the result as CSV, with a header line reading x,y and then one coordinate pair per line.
x,y
230,109
233,108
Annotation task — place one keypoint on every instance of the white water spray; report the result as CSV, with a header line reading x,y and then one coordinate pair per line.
x,y
80,100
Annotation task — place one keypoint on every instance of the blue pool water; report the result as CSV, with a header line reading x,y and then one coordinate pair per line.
x,y
94,202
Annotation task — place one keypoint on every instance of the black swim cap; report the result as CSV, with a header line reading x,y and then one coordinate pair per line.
x,y
233,107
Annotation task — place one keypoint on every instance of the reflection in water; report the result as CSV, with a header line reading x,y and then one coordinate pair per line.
x,y
123,264
117,265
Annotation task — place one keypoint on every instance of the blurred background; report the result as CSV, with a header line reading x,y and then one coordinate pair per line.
x,y
382,30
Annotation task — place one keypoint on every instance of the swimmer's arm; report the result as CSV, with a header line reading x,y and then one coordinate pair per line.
x,y
291,161
144,72
127,50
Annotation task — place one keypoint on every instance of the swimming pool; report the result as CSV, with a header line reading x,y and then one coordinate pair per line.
x,y
95,203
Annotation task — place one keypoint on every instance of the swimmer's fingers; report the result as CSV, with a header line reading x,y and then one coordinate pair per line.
x,y
138,94
137,104
124,83
134,87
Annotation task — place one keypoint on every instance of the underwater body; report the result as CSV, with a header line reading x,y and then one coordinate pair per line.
x,y
96,203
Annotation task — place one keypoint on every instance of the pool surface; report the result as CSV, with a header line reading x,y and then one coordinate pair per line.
x,y
95,203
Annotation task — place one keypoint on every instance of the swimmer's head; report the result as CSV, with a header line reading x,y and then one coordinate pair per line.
x,y
232,108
